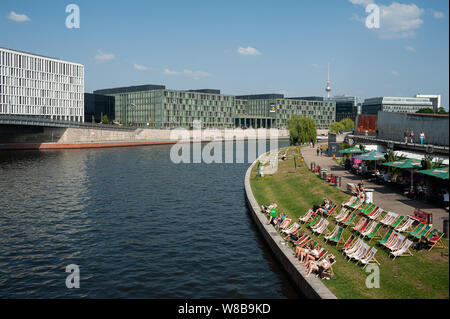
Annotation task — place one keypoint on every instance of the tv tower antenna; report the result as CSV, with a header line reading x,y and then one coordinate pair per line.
x,y
328,88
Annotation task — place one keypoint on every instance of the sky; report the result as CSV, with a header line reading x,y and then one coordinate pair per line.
x,y
244,47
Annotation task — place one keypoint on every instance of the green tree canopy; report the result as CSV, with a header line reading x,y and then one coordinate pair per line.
x,y
105,119
348,124
335,127
302,129
426,110
442,111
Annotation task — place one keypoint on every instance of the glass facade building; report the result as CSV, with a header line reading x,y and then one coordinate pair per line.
x,y
39,86
346,107
157,107
395,104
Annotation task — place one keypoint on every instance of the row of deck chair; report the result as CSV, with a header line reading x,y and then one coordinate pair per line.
x,y
397,244
359,251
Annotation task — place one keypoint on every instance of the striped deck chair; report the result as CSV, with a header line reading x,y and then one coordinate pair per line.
x,y
322,254
371,210
386,237
417,230
406,226
350,221
375,233
291,229
350,201
398,243
404,250
285,223
434,239
367,209
386,218
360,224
354,204
331,234
359,204
322,228
397,222
370,258
366,224
348,243
391,240
314,221
339,239
350,251
391,220
330,211
306,217
369,229
375,214
317,225
424,232
341,215
303,241
360,253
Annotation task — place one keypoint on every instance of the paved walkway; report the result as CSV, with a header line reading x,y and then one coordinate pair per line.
x,y
383,195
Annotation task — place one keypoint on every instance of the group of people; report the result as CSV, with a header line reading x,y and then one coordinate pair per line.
x,y
309,256
410,135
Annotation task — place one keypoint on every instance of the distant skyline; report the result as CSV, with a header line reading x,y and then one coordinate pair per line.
x,y
244,47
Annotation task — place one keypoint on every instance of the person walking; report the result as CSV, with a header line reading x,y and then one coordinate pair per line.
x,y
422,137
411,136
406,134
318,151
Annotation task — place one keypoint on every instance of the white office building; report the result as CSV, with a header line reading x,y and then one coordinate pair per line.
x,y
434,98
38,86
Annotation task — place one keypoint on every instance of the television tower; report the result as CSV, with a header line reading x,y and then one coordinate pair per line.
x,y
328,88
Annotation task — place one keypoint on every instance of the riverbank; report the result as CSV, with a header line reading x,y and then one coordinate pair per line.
x,y
295,190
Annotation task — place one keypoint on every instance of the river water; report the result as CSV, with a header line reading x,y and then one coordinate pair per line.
x,y
136,225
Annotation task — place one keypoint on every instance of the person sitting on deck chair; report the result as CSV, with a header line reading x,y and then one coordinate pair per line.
x,y
266,209
312,255
277,221
324,208
320,267
300,250
311,251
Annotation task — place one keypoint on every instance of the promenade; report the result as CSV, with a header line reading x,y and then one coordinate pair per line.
x,y
383,196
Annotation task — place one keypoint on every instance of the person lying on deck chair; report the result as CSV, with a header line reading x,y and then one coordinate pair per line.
x,y
324,208
266,209
320,266
297,235
314,251
277,221
300,250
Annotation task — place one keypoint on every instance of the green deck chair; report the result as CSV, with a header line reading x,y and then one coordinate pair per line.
x,y
387,236
399,220
424,232
348,222
374,232
417,230
314,221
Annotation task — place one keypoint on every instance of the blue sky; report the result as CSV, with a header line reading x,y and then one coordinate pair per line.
x,y
243,47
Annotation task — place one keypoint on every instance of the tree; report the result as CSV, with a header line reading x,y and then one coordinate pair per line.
x,y
442,111
335,127
105,119
426,111
348,124
302,129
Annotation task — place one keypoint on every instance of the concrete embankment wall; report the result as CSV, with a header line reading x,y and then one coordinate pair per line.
x,y
311,287
391,126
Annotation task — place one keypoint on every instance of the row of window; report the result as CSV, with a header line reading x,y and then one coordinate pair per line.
x,y
39,110
34,75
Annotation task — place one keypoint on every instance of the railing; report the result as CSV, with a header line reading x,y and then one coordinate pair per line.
x,y
39,121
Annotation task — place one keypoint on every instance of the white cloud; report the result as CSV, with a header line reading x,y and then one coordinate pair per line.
x,y
395,73
248,51
104,57
18,17
396,20
140,67
196,75
410,48
438,15
316,66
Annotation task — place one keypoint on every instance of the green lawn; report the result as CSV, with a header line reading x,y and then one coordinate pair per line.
x,y
424,275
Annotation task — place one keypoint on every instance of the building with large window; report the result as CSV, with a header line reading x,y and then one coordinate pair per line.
x,y
39,86
157,107
346,107
96,106
434,98
395,104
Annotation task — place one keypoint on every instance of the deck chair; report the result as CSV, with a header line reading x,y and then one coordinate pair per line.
x,y
306,217
348,219
438,243
352,200
360,253
398,243
369,229
417,230
367,209
331,234
386,218
330,211
404,250
386,236
341,214
360,224
370,258
397,222
348,243
354,248
375,214
376,233
303,241
392,220
359,204
284,224
339,239
406,226
291,229
314,221
391,240
371,210
317,225
424,232
322,228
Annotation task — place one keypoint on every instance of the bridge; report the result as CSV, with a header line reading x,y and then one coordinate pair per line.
x,y
13,120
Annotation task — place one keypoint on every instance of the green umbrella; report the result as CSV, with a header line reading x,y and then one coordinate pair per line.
x,y
409,163
352,150
441,173
371,156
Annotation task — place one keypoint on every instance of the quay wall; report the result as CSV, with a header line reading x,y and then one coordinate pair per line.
x,y
311,287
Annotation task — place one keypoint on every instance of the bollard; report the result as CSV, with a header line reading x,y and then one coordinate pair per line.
x,y
445,228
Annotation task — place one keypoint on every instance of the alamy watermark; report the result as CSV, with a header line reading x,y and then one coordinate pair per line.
x,y
219,147
73,280
373,19
73,19
373,279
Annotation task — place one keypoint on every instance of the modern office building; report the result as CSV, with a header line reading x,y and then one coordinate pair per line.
x,y
97,105
346,107
434,98
395,104
157,107
38,86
